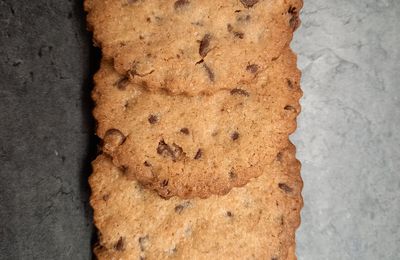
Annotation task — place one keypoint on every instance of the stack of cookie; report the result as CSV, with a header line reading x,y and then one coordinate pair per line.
x,y
195,102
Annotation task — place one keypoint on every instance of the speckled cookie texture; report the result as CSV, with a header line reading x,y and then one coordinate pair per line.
x,y
195,102
256,221
192,46
195,145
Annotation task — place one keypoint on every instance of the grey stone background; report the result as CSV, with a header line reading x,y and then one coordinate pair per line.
x,y
348,138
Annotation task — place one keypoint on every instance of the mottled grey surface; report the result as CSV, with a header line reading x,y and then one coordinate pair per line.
x,y
46,130
348,138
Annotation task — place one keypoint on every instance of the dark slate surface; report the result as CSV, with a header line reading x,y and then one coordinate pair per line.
x,y
46,140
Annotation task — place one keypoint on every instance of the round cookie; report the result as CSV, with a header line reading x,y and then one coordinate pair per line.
x,y
189,46
257,221
195,146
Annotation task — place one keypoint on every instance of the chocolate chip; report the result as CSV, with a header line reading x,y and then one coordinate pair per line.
x,y
198,154
147,164
123,169
180,3
174,151
143,241
179,208
285,187
235,136
279,157
173,250
243,18
200,61
185,131
112,139
144,84
290,108
152,119
210,73
205,45
294,20
239,35
253,68
241,92
232,175
290,83
122,83
249,3
292,10
164,183
229,214
120,245
198,23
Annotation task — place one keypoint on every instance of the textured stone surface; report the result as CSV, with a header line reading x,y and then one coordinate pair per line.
x,y
46,131
348,134
348,138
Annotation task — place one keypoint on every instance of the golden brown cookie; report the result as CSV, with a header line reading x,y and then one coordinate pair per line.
x,y
194,98
192,46
197,145
257,221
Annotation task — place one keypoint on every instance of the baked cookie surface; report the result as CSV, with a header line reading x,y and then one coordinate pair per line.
x,y
196,145
195,102
257,221
192,46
